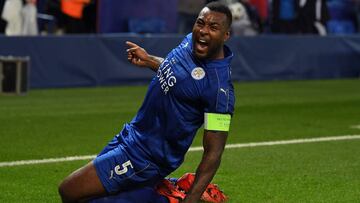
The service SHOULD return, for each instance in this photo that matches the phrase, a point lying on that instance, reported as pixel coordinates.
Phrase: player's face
(210, 32)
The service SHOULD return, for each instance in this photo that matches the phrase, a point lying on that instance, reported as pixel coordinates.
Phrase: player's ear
(227, 35)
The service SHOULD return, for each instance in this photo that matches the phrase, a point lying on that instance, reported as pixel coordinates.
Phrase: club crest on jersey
(198, 73)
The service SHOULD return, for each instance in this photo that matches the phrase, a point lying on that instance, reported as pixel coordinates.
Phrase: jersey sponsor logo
(166, 76)
(198, 73)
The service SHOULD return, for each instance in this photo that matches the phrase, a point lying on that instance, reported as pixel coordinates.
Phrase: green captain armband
(217, 122)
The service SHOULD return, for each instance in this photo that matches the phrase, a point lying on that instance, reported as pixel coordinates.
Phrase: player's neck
(220, 54)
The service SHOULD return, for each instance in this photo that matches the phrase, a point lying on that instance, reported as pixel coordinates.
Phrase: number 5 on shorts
(124, 169)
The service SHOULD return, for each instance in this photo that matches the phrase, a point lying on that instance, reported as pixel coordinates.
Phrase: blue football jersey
(183, 89)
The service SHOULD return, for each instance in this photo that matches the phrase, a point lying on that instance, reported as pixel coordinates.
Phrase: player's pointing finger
(131, 44)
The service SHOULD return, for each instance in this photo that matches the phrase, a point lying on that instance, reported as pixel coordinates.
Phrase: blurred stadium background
(68, 88)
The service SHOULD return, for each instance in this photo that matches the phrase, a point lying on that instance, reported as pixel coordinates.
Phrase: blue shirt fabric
(174, 106)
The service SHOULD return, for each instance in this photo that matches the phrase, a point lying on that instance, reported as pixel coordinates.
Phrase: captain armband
(217, 122)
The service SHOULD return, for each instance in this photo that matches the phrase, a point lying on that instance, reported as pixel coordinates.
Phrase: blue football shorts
(119, 171)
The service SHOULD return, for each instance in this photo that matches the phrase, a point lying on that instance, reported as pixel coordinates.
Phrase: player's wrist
(154, 62)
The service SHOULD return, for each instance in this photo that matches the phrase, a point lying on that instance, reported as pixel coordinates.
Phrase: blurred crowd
(33, 17)
(253, 17)
(250, 17)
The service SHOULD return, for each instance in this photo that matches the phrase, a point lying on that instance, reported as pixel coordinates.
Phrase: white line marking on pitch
(43, 161)
(355, 126)
(192, 149)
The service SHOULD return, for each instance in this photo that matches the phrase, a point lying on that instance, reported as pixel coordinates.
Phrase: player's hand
(137, 55)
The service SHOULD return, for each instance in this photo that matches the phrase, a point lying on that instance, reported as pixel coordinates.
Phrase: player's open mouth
(201, 45)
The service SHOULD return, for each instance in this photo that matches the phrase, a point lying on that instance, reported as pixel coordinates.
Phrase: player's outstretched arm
(214, 144)
(139, 57)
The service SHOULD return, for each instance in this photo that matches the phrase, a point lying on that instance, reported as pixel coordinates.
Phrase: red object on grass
(177, 191)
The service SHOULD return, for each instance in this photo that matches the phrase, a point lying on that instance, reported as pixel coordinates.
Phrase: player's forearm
(204, 174)
(154, 62)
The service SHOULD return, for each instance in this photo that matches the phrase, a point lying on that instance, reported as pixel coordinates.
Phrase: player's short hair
(221, 8)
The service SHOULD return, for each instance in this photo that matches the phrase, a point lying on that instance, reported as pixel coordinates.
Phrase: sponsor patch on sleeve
(217, 122)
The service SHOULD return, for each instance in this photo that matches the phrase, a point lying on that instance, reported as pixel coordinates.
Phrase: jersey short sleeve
(219, 107)
(218, 96)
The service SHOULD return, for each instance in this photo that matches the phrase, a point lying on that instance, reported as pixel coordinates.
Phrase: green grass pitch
(80, 121)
